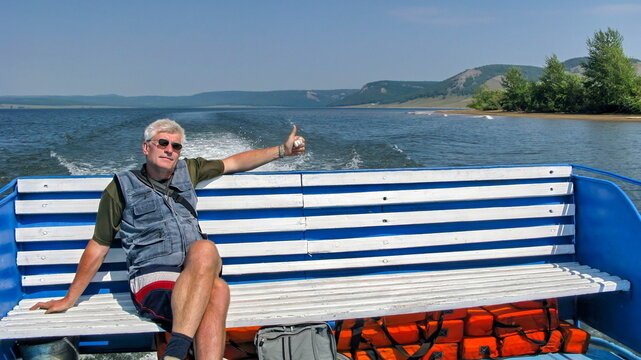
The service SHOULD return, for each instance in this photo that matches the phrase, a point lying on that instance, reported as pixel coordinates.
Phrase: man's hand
(294, 145)
(54, 306)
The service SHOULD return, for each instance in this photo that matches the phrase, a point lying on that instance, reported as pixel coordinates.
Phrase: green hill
(462, 84)
(387, 92)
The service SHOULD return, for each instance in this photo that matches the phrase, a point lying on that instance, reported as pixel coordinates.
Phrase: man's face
(162, 158)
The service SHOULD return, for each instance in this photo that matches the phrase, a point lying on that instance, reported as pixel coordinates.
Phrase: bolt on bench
(323, 246)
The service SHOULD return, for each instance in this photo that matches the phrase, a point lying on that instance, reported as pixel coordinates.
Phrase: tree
(518, 91)
(557, 90)
(611, 81)
(485, 99)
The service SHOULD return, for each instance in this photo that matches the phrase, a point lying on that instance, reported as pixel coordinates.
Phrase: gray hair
(164, 125)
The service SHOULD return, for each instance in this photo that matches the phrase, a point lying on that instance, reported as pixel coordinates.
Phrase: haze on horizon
(73, 47)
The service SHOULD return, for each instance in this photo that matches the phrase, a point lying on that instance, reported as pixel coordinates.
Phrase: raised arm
(248, 160)
(92, 257)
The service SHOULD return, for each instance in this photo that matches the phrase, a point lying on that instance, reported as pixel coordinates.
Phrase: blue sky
(159, 47)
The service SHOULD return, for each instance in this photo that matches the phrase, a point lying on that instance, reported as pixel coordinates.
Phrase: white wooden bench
(323, 246)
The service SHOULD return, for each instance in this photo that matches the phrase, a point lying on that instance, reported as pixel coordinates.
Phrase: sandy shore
(599, 117)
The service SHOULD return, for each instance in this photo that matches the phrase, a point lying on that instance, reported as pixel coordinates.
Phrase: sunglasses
(163, 143)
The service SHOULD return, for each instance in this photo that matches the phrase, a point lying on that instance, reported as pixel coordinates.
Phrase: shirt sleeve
(201, 169)
(109, 214)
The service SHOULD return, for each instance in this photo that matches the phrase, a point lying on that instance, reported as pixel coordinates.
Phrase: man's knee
(203, 253)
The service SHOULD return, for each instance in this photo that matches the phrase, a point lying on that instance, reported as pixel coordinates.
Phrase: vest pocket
(146, 210)
(148, 245)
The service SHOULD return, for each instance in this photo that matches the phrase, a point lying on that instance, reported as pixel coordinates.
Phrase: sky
(158, 47)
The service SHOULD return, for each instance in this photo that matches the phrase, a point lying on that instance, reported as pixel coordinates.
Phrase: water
(104, 141)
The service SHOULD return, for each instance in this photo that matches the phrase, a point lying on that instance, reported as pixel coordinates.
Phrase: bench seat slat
(437, 239)
(255, 225)
(66, 278)
(392, 288)
(353, 299)
(54, 233)
(437, 216)
(325, 303)
(90, 206)
(437, 195)
(425, 176)
(378, 261)
(98, 184)
(85, 232)
(445, 275)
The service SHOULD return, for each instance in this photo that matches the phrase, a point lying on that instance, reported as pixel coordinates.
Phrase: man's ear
(145, 147)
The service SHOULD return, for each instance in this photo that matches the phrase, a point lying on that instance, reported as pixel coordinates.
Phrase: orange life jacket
(511, 320)
(575, 340)
(475, 348)
(479, 322)
(531, 343)
(447, 351)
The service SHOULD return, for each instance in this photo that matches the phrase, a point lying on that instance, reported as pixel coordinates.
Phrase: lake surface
(104, 141)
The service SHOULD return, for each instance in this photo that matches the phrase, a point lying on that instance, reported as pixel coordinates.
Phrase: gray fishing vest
(156, 230)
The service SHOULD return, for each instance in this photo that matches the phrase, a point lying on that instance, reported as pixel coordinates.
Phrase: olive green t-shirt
(112, 202)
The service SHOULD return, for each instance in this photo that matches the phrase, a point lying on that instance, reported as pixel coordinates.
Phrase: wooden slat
(79, 206)
(117, 255)
(275, 300)
(437, 239)
(533, 270)
(56, 257)
(248, 181)
(98, 184)
(425, 176)
(396, 260)
(256, 225)
(286, 302)
(437, 216)
(433, 195)
(244, 202)
(66, 278)
(54, 233)
(64, 184)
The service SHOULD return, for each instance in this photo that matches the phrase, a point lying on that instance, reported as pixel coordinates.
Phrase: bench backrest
(317, 224)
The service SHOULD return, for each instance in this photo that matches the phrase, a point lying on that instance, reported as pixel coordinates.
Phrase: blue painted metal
(10, 291)
(608, 238)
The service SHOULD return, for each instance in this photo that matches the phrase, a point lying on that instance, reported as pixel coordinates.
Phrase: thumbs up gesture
(294, 145)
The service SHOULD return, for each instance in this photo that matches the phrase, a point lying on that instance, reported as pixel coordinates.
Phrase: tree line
(609, 84)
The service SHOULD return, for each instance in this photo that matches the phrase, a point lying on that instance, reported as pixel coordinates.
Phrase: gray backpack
(313, 341)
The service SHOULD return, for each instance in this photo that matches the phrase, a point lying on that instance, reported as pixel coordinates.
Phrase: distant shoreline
(565, 116)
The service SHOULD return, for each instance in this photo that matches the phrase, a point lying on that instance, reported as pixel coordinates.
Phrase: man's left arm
(248, 160)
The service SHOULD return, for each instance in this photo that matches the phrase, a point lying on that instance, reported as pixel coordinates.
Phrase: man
(174, 271)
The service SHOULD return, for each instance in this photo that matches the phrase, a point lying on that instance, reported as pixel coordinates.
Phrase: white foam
(222, 145)
(355, 162)
(84, 168)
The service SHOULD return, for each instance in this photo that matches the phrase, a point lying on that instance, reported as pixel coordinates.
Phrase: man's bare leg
(210, 337)
(193, 288)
